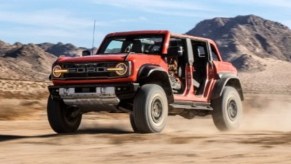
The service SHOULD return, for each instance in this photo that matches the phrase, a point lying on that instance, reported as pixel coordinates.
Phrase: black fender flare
(146, 70)
(153, 73)
(227, 80)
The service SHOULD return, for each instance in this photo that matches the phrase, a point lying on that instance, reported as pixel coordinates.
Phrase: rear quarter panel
(224, 68)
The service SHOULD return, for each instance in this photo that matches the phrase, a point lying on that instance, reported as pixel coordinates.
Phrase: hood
(93, 58)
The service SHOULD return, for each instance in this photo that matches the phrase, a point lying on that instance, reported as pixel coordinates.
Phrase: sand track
(265, 137)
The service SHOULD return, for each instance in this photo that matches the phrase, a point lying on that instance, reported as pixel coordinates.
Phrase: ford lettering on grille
(87, 70)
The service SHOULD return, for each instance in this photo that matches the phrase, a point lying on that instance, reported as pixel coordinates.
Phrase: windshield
(148, 44)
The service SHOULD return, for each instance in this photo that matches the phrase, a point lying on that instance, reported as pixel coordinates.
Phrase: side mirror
(175, 51)
(86, 53)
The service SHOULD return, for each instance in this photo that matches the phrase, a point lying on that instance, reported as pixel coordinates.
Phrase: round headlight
(57, 71)
(121, 69)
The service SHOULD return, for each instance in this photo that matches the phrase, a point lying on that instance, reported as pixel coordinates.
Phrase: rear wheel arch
(228, 80)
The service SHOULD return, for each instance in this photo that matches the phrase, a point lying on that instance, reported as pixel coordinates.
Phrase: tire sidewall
(230, 94)
(143, 120)
(57, 117)
(133, 125)
(156, 93)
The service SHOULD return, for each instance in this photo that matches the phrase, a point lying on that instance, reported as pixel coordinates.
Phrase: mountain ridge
(247, 36)
(246, 41)
(32, 61)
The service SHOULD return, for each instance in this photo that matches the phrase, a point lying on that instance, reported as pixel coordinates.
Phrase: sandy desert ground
(264, 137)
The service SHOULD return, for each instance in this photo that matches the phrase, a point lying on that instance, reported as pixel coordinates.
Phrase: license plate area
(85, 89)
(87, 92)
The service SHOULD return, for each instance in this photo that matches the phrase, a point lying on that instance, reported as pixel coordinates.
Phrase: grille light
(121, 69)
(58, 71)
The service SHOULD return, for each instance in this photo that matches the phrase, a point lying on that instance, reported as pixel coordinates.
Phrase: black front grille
(88, 70)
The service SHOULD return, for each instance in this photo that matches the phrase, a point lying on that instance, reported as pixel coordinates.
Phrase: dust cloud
(264, 137)
(267, 113)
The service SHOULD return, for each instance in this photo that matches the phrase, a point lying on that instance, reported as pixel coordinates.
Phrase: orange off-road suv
(150, 75)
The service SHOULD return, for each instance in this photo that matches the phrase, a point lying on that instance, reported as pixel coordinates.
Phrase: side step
(194, 106)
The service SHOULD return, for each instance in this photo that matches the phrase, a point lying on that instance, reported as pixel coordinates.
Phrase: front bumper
(93, 96)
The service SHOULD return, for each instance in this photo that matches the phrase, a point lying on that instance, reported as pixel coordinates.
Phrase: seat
(126, 46)
(137, 47)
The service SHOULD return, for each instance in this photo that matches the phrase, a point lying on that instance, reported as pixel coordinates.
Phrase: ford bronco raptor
(150, 75)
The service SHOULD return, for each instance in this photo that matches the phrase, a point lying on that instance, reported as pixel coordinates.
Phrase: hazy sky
(71, 21)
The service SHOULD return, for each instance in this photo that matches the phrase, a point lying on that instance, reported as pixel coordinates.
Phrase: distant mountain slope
(61, 49)
(247, 40)
(251, 43)
(32, 61)
(24, 62)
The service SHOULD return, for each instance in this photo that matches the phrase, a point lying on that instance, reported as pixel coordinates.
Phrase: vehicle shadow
(9, 137)
(103, 131)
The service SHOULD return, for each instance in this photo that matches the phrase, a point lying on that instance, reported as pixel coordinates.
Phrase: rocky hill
(61, 49)
(31, 61)
(247, 40)
(257, 47)
(24, 62)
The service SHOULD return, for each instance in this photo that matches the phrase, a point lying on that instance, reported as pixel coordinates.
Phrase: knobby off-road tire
(132, 123)
(227, 110)
(62, 119)
(150, 109)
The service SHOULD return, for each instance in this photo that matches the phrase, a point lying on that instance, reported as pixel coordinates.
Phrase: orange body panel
(138, 60)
